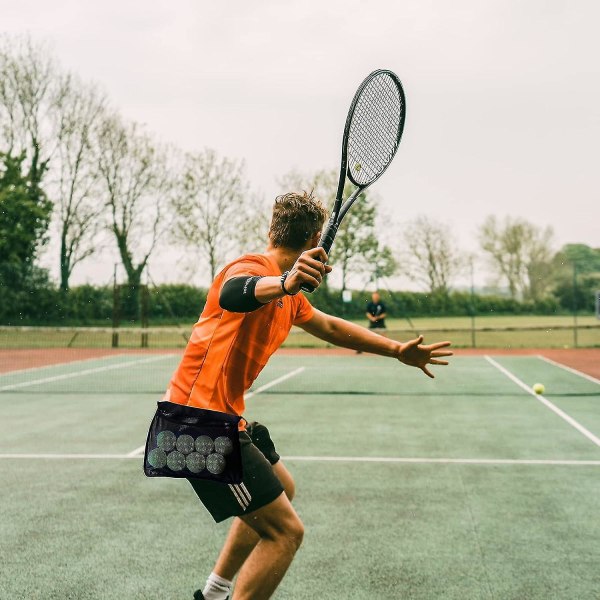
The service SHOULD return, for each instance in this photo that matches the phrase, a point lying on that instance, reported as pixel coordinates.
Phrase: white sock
(217, 588)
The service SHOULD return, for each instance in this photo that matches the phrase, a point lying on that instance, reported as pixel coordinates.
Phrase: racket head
(373, 127)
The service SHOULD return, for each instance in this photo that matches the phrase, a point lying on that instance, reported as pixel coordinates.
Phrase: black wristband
(282, 279)
(238, 294)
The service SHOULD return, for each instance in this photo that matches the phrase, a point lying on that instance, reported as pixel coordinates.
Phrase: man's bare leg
(241, 538)
(281, 532)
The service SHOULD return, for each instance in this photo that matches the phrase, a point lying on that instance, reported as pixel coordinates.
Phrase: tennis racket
(372, 135)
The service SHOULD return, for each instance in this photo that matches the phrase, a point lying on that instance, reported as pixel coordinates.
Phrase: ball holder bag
(193, 443)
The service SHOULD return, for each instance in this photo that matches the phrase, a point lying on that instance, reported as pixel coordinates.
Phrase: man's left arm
(349, 335)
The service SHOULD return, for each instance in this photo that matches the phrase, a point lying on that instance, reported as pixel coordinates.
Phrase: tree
(585, 257)
(30, 90)
(577, 293)
(23, 222)
(432, 256)
(380, 263)
(75, 175)
(520, 253)
(539, 265)
(356, 242)
(576, 276)
(252, 233)
(136, 185)
(211, 206)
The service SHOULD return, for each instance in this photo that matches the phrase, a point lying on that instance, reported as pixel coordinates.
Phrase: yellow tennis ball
(539, 388)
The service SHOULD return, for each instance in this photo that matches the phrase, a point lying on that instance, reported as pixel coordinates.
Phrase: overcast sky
(503, 97)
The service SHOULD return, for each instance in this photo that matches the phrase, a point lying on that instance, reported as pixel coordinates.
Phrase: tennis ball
(539, 388)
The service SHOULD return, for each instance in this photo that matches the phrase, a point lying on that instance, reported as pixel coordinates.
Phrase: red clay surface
(30, 358)
(586, 360)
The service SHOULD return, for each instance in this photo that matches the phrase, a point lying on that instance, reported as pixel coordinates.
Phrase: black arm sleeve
(237, 294)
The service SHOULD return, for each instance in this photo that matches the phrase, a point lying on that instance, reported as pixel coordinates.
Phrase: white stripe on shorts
(242, 487)
(242, 501)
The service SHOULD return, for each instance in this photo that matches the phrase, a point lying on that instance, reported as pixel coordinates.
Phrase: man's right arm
(349, 335)
(245, 293)
(309, 268)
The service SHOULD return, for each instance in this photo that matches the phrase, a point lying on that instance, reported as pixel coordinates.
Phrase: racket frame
(339, 210)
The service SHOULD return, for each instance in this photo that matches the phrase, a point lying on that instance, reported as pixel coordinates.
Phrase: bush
(174, 301)
(585, 296)
(43, 303)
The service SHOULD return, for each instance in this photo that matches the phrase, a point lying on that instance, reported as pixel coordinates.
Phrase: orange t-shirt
(228, 350)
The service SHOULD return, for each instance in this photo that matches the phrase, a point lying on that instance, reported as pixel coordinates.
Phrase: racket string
(375, 129)
(374, 132)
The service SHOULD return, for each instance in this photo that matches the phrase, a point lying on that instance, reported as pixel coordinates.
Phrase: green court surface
(463, 487)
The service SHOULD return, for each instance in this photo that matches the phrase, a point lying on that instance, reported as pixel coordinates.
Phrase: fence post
(116, 315)
(575, 340)
(145, 312)
(473, 340)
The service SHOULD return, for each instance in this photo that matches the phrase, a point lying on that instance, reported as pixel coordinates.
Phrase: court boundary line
(138, 451)
(270, 384)
(569, 369)
(60, 364)
(355, 459)
(121, 365)
(561, 413)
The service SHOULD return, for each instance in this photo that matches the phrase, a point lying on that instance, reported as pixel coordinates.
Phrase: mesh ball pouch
(193, 443)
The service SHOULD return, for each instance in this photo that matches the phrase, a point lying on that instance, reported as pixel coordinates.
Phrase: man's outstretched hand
(416, 355)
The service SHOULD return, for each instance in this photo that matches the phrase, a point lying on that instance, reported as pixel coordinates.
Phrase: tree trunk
(65, 264)
(131, 300)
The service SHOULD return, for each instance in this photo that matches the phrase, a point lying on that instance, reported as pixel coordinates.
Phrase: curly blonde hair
(296, 219)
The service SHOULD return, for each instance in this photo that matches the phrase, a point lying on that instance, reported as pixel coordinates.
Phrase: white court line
(258, 390)
(356, 459)
(54, 365)
(137, 452)
(14, 386)
(444, 461)
(563, 415)
(262, 388)
(66, 456)
(569, 369)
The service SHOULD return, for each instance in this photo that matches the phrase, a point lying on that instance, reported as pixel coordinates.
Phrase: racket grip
(325, 242)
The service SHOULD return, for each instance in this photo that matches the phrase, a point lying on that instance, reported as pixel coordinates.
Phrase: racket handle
(325, 242)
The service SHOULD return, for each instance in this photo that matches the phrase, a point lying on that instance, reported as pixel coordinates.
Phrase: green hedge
(91, 305)
(421, 304)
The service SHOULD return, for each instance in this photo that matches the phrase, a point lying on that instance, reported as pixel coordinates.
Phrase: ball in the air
(539, 388)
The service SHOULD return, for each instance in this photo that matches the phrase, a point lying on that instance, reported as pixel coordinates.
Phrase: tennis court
(465, 487)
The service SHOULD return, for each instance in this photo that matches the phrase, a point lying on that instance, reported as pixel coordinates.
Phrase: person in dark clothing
(376, 312)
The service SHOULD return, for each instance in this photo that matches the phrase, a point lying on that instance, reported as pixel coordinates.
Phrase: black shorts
(259, 487)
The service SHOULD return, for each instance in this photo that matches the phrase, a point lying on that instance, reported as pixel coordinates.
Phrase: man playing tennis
(250, 309)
